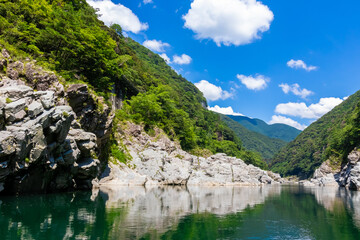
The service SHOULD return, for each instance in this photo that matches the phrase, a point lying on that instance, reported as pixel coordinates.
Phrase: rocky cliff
(43, 147)
(155, 160)
(347, 176)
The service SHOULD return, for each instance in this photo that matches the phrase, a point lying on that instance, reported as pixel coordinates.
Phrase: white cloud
(295, 89)
(212, 92)
(183, 59)
(287, 121)
(228, 22)
(116, 13)
(155, 45)
(314, 111)
(165, 57)
(300, 64)
(258, 82)
(147, 1)
(224, 110)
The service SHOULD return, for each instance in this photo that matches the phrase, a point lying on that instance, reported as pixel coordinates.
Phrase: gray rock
(43, 119)
(88, 168)
(162, 162)
(36, 139)
(34, 109)
(354, 157)
(5, 53)
(48, 100)
(13, 108)
(15, 69)
(354, 177)
(7, 143)
(19, 116)
(16, 92)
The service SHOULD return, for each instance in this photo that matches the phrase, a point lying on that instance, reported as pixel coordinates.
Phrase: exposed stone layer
(42, 148)
(160, 161)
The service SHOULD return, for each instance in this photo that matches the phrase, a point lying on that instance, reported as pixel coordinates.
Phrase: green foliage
(64, 33)
(8, 100)
(332, 136)
(117, 29)
(279, 131)
(254, 141)
(118, 154)
(345, 139)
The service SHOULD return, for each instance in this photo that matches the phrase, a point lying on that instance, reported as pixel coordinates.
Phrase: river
(268, 212)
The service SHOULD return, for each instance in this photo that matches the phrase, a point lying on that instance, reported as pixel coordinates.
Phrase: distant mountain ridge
(278, 130)
(255, 141)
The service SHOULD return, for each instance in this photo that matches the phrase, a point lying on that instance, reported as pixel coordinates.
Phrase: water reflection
(338, 199)
(161, 208)
(184, 213)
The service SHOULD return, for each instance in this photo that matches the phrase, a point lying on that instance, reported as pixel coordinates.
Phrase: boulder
(88, 168)
(15, 69)
(34, 109)
(354, 157)
(13, 108)
(48, 99)
(16, 92)
(7, 143)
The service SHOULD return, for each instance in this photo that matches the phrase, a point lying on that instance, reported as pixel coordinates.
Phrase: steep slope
(280, 131)
(66, 37)
(255, 141)
(332, 136)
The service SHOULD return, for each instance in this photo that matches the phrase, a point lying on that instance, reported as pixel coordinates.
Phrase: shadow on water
(184, 213)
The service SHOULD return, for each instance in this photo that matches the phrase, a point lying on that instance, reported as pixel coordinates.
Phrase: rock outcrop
(93, 114)
(42, 147)
(350, 173)
(159, 161)
(348, 176)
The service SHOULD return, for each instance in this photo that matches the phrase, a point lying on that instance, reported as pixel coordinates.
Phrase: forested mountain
(280, 131)
(255, 141)
(332, 137)
(66, 36)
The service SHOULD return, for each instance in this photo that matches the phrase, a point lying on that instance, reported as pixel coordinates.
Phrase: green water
(184, 213)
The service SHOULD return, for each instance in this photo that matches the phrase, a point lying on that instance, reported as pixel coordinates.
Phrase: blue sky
(245, 47)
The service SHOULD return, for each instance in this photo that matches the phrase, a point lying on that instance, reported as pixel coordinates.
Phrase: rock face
(40, 151)
(91, 118)
(350, 173)
(348, 176)
(159, 161)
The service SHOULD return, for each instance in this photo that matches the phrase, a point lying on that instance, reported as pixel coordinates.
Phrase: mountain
(332, 137)
(255, 141)
(66, 37)
(280, 131)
